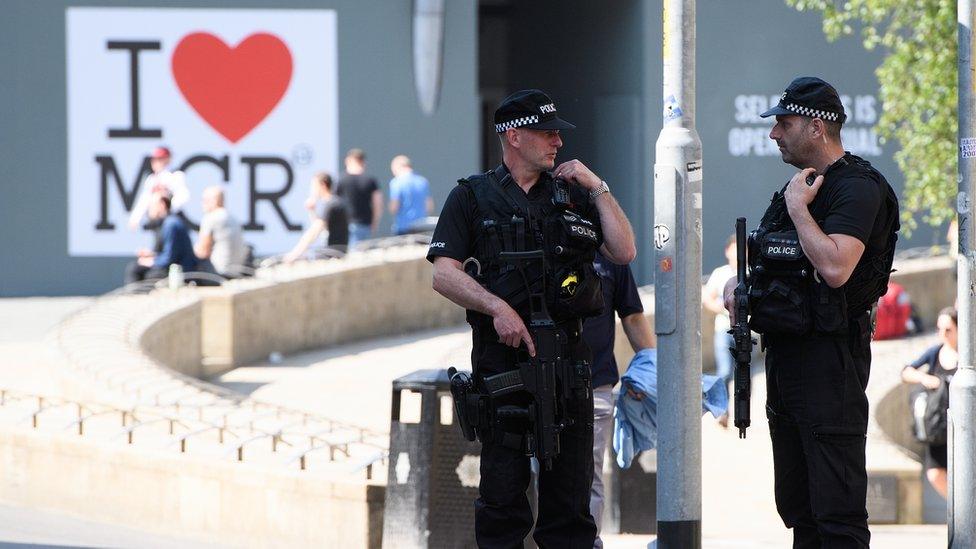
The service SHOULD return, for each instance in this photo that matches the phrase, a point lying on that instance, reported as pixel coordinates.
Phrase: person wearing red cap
(525, 206)
(819, 261)
(161, 180)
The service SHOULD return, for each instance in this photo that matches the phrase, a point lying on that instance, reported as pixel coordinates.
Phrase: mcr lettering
(253, 110)
(111, 180)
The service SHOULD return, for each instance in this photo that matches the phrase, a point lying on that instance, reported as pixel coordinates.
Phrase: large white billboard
(244, 99)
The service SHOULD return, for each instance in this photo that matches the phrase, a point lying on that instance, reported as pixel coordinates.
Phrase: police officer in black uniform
(528, 203)
(819, 261)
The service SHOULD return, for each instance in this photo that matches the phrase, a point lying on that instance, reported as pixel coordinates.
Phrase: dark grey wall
(758, 47)
(601, 61)
(378, 111)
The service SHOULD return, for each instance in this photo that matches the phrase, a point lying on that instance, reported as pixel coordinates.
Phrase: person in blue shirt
(173, 245)
(409, 195)
(619, 296)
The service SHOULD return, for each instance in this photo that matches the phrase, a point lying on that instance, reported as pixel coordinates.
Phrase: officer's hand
(729, 294)
(798, 193)
(636, 395)
(578, 173)
(511, 330)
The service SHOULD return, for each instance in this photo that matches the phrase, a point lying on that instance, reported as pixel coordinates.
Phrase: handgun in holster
(469, 404)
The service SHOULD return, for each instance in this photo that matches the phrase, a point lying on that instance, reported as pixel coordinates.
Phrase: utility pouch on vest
(779, 285)
(829, 308)
(511, 284)
(577, 288)
(580, 293)
(506, 280)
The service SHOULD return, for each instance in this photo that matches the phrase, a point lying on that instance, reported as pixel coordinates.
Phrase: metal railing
(154, 403)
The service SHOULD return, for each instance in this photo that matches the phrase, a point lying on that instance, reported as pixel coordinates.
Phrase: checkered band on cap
(812, 113)
(517, 123)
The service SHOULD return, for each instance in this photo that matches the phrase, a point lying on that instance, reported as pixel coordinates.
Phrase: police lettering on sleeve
(452, 235)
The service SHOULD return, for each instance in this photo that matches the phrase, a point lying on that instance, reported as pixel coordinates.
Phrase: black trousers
(503, 517)
(818, 415)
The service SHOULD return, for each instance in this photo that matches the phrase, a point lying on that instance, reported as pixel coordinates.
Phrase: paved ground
(26, 357)
(23, 528)
(353, 383)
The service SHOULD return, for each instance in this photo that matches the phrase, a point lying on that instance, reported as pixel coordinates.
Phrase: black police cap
(530, 109)
(811, 97)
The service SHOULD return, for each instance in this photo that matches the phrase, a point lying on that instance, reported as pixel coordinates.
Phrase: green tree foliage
(918, 90)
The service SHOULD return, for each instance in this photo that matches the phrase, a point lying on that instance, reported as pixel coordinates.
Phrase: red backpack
(894, 313)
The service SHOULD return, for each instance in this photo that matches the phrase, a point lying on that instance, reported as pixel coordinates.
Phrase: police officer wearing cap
(819, 261)
(527, 203)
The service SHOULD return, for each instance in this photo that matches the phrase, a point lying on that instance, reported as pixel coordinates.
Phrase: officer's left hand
(577, 172)
(728, 294)
(798, 194)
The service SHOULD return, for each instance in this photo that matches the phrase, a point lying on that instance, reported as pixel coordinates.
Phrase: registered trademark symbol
(301, 155)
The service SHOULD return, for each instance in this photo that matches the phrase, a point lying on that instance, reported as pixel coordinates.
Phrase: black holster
(470, 407)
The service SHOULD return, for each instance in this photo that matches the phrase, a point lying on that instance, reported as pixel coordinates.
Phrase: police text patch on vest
(580, 227)
(782, 246)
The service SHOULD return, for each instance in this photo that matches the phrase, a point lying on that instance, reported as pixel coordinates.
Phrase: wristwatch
(603, 188)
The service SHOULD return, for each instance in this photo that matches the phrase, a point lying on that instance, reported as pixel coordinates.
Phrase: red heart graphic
(233, 89)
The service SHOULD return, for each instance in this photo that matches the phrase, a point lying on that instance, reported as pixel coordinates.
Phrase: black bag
(930, 414)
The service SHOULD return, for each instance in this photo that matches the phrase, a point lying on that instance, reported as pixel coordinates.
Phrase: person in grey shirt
(221, 240)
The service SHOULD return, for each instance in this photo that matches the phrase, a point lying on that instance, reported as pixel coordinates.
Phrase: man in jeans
(362, 195)
(410, 199)
(173, 246)
(620, 296)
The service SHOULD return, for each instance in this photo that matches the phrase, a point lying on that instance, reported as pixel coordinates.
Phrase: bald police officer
(528, 203)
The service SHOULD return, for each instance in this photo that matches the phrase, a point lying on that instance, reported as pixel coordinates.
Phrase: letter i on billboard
(244, 99)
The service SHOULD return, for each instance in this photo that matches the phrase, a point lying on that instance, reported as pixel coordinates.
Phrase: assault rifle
(742, 349)
(548, 377)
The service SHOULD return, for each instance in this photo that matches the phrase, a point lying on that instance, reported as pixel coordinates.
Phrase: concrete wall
(174, 339)
(221, 502)
(356, 298)
(312, 306)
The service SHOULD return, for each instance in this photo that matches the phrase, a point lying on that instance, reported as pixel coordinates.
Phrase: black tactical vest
(509, 222)
(787, 296)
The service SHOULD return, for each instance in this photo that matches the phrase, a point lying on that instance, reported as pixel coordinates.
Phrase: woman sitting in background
(939, 362)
